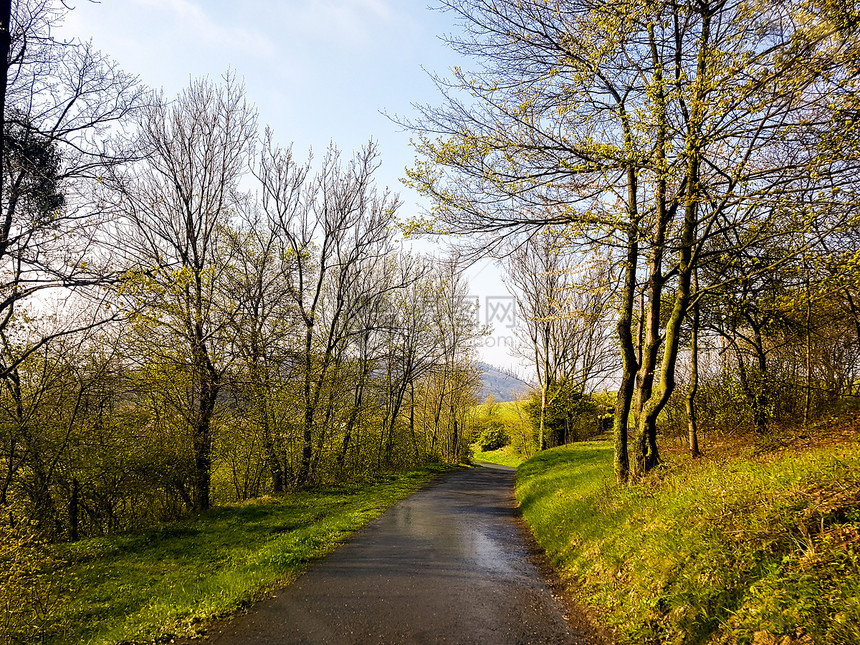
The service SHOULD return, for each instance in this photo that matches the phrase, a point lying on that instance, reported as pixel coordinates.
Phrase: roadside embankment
(745, 549)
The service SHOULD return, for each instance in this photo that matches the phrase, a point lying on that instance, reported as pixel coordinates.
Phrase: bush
(524, 438)
(28, 595)
(493, 438)
(570, 415)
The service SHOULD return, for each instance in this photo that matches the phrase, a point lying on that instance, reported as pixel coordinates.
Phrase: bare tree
(455, 375)
(565, 301)
(64, 107)
(410, 350)
(332, 228)
(177, 205)
(264, 329)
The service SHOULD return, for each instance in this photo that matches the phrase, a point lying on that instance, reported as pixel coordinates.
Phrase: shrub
(570, 414)
(494, 437)
(28, 595)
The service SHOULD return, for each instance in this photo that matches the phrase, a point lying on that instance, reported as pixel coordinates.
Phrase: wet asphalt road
(447, 565)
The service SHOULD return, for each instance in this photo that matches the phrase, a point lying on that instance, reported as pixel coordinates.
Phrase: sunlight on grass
(504, 456)
(166, 583)
(717, 552)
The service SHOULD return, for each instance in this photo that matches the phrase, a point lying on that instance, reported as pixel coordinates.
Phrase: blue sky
(318, 71)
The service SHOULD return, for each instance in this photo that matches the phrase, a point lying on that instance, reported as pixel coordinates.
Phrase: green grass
(504, 456)
(747, 550)
(167, 583)
(505, 411)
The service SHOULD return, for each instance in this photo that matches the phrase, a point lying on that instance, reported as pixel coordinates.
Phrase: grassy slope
(152, 586)
(506, 411)
(504, 456)
(762, 550)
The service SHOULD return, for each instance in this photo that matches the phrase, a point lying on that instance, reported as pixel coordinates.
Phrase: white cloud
(350, 23)
(197, 25)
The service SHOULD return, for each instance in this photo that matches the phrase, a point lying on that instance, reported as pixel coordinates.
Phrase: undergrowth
(761, 549)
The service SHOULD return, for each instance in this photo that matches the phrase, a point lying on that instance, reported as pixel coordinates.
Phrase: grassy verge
(504, 456)
(761, 550)
(166, 583)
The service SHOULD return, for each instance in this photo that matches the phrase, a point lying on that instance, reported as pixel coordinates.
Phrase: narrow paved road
(447, 565)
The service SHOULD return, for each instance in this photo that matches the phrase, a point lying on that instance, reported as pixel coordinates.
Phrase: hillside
(503, 385)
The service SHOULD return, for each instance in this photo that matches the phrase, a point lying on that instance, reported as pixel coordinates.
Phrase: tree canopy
(678, 134)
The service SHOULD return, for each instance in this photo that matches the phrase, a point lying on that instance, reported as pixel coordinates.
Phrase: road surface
(447, 565)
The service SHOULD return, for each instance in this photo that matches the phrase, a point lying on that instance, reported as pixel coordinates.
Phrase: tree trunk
(645, 443)
(391, 421)
(807, 404)
(73, 510)
(10, 472)
(353, 415)
(412, 419)
(260, 384)
(308, 421)
(692, 420)
(276, 468)
(207, 382)
(542, 423)
(203, 446)
(647, 424)
(760, 395)
(544, 387)
(5, 217)
(628, 356)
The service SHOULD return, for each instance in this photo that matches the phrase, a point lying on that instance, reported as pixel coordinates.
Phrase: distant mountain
(503, 385)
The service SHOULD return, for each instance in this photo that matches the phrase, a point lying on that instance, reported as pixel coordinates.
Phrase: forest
(191, 315)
